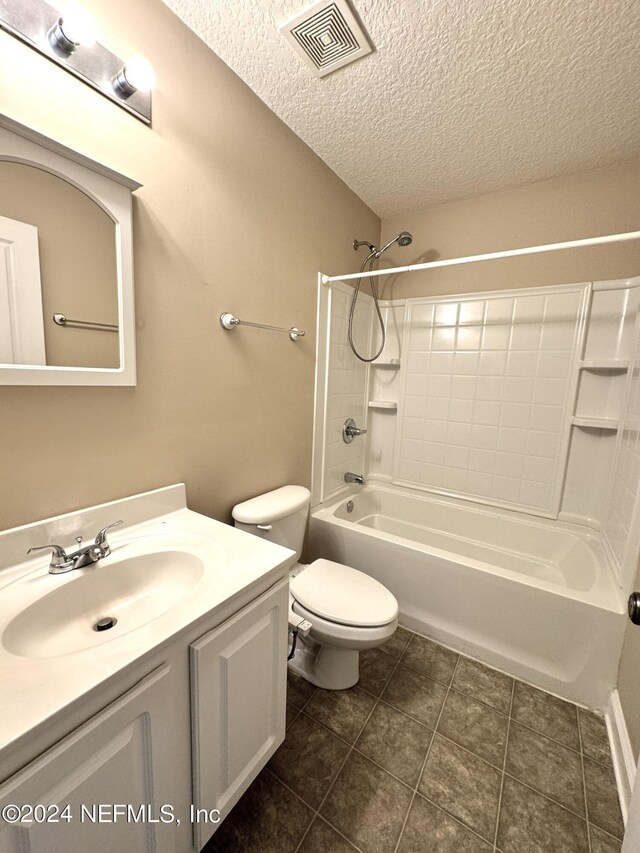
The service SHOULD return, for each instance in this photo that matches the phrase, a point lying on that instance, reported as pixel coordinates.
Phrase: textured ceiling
(461, 96)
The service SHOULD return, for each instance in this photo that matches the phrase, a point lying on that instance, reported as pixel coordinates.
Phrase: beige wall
(629, 680)
(587, 204)
(235, 214)
(77, 249)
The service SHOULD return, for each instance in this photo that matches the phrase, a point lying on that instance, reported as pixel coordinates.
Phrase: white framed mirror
(66, 265)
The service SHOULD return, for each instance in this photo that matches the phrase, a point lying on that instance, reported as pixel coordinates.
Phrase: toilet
(348, 611)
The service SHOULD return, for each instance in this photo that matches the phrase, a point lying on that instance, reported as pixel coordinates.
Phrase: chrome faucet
(62, 562)
(354, 478)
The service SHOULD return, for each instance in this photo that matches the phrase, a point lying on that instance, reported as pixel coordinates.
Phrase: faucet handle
(350, 431)
(59, 559)
(101, 537)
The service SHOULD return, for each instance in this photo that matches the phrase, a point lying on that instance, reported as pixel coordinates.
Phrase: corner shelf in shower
(383, 404)
(608, 365)
(386, 362)
(596, 423)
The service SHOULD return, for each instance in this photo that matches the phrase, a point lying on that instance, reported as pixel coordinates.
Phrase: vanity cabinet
(238, 699)
(191, 734)
(124, 755)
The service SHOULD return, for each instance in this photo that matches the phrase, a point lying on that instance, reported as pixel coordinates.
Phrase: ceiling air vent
(327, 36)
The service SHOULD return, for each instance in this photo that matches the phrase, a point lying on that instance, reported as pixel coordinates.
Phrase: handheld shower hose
(403, 239)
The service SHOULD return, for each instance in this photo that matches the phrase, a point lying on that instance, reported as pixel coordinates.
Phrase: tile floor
(430, 753)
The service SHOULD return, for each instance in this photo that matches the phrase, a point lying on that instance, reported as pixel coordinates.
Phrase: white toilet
(348, 610)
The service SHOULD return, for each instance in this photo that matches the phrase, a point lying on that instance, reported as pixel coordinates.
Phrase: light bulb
(137, 75)
(140, 74)
(77, 25)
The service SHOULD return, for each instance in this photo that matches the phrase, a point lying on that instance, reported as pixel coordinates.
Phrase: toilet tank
(279, 516)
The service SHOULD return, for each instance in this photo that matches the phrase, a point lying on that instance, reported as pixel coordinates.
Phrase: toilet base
(326, 666)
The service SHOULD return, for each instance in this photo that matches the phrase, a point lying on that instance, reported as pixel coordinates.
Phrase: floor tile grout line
(335, 829)
(311, 695)
(382, 767)
(309, 806)
(331, 731)
(477, 699)
(584, 781)
(547, 737)
(415, 790)
(381, 649)
(606, 832)
(548, 798)
(608, 765)
(296, 709)
(405, 714)
(426, 758)
(458, 820)
(504, 767)
(422, 671)
(468, 751)
(298, 797)
(340, 769)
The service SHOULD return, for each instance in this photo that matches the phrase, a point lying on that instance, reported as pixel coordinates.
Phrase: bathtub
(530, 596)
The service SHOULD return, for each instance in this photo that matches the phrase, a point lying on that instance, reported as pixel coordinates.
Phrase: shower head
(402, 239)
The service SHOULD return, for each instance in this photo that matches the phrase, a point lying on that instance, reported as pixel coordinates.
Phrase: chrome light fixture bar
(68, 41)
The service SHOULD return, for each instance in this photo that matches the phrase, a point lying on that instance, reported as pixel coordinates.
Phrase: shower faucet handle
(350, 431)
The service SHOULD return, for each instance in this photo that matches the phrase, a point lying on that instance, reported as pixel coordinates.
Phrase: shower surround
(501, 433)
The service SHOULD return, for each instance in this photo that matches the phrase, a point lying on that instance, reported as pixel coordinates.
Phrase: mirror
(66, 279)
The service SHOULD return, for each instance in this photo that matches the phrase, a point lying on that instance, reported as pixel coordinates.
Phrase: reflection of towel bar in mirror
(228, 322)
(61, 320)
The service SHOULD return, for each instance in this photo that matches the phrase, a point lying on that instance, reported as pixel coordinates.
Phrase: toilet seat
(343, 595)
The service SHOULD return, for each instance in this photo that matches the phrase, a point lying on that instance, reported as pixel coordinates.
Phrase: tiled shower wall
(485, 402)
(626, 475)
(625, 483)
(346, 387)
(485, 391)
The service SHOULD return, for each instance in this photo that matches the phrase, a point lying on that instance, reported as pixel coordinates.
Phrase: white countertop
(34, 688)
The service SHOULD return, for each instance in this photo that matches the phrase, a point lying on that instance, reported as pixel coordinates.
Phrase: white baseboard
(624, 764)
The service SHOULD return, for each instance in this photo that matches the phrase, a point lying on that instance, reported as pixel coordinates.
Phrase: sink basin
(133, 590)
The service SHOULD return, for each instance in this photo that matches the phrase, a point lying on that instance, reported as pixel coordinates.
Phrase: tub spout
(354, 478)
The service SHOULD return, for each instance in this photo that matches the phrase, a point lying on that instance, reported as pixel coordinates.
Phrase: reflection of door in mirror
(21, 319)
(73, 241)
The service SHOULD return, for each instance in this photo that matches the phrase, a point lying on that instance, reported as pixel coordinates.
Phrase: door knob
(634, 608)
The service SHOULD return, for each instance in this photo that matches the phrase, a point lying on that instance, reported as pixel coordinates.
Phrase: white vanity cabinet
(123, 755)
(194, 731)
(238, 699)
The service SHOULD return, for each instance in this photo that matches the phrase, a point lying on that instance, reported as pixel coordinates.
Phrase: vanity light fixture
(68, 38)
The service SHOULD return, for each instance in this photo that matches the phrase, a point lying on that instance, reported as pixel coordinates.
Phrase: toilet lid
(344, 595)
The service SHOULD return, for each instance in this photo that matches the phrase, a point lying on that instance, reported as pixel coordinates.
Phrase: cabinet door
(238, 684)
(123, 755)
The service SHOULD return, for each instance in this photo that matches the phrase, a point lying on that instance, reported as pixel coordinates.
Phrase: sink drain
(105, 623)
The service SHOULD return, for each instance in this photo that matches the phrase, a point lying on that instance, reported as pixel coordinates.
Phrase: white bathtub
(530, 596)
